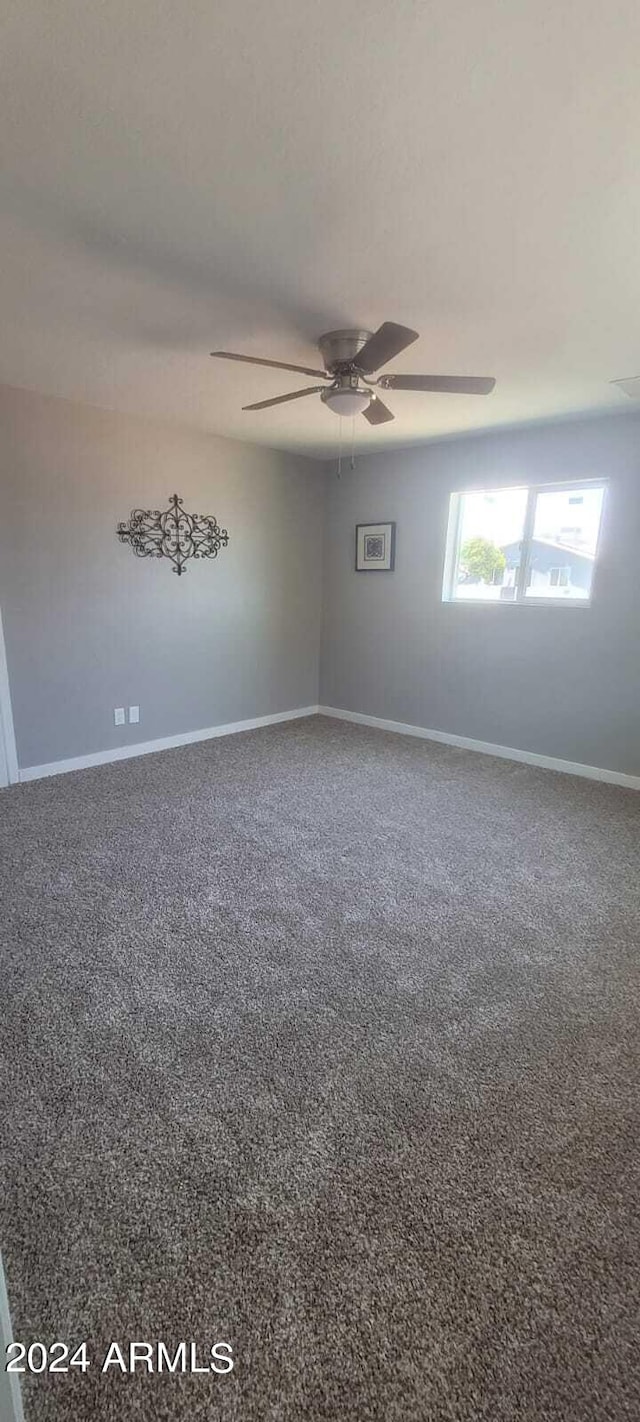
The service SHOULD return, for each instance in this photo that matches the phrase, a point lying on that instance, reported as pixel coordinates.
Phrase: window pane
(488, 554)
(564, 542)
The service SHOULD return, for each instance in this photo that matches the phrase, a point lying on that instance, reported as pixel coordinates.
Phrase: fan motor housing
(340, 348)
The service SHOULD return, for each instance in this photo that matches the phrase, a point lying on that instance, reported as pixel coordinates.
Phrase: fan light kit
(350, 358)
(346, 399)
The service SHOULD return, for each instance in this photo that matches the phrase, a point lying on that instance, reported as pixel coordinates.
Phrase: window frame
(520, 598)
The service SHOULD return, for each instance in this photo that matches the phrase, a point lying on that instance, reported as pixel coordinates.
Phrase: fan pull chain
(339, 471)
(353, 442)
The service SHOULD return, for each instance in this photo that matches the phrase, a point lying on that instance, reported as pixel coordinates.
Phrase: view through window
(523, 544)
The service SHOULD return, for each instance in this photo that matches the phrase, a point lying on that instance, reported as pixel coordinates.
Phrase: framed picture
(375, 547)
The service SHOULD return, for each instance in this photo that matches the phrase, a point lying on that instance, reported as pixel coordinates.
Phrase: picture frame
(375, 547)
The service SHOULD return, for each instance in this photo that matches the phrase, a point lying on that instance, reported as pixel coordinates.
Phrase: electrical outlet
(134, 714)
(118, 715)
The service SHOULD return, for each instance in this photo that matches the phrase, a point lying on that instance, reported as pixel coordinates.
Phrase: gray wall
(557, 680)
(88, 626)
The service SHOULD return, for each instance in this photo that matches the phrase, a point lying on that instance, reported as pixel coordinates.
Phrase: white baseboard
(184, 738)
(547, 762)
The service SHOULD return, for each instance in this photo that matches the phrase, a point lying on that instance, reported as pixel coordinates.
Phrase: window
(559, 577)
(536, 544)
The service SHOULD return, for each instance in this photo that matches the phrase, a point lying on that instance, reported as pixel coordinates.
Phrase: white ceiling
(178, 178)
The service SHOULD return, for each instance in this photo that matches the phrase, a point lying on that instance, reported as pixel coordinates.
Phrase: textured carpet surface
(324, 1042)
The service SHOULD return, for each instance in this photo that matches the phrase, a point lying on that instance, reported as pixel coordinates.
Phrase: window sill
(583, 603)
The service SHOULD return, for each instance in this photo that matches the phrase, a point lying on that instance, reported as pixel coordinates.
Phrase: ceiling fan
(350, 357)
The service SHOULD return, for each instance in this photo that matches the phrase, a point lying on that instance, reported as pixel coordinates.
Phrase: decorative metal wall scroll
(173, 534)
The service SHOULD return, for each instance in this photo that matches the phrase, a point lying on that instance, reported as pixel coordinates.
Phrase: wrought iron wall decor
(173, 534)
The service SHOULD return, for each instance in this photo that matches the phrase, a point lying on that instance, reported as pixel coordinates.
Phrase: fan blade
(446, 384)
(377, 413)
(280, 399)
(277, 364)
(386, 343)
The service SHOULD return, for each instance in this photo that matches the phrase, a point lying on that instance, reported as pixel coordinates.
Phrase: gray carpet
(325, 1042)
